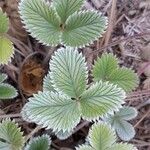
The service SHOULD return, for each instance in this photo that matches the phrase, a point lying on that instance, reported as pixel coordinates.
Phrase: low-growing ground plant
(6, 46)
(68, 97)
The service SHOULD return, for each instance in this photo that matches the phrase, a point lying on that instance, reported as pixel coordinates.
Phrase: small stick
(10, 116)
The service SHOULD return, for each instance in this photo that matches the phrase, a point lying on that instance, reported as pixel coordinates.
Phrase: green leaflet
(6, 50)
(118, 121)
(39, 143)
(7, 91)
(68, 72)
(65, 8)
(41, 20)
(100, 99)
(11, 137)
(102, 137)
(53, 110)
(3, 22)
(106, 69)
(61, 22)
(82, 28)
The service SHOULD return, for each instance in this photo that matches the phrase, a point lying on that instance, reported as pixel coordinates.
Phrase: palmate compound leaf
(102, 137)
(3, 77)
(100, 99)
(69, 72)
(83, 28)
(107, 69)
(118, 121)
(72, 28)
(65, 8)
(4, 22)
(41, 21)
(6, 50)
(39, 143)
(52, 110)
(11, 138)
(7, 91)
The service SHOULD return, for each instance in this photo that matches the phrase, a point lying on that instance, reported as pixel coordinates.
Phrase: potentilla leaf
(69, 72)
(101, 136)
(6, 50)
(83, 28)
(100, 99)
(41, 21)
(127, 113)
(104, 66)
(84, 147)
(124, 129)
(4, 23)
(107, 69)
(11, 138)
(124, 78)
(39, 143)
(65, 8)
(7, 91)
(52, 110)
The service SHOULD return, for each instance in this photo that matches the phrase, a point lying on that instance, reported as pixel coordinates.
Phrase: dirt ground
(127, 36)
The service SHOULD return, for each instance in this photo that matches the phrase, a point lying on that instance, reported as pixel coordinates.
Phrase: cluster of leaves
(11, 138)
(119, 122)
(67, 97)
(102, 137)
(62, 21)
(6, 90)
(6, 47)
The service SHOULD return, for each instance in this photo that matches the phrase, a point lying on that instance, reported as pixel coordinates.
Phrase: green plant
(11, 138)
(68, 97)
(62, 21)
(6, 90)
(119, 122)
(6, 47)
(102, 137)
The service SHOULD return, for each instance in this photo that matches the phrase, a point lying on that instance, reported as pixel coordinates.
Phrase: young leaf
(11, 137)
(41, 20)
(102, 137)
(39, 143)
(68, 72)
(7, 91)
(47, 83)
(100, 99)
(126, 113)
(52, 110)
(107, 69)
(4, 22)
(3, 77)
(124, 130)
(65, 8)
(6, 50)
(123, 146)
(83, 28)
(104, 66)
(118, 121)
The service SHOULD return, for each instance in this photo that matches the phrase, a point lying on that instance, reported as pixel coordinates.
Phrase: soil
(127, 36)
